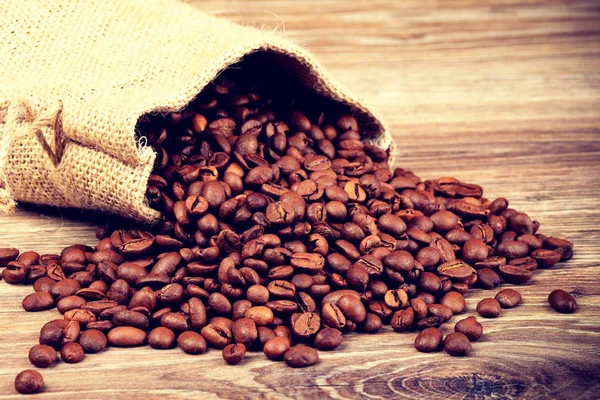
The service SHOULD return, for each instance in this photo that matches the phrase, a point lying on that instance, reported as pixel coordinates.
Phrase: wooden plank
(505, 94)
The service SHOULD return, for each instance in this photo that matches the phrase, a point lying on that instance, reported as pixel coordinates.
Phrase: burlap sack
(76, 75)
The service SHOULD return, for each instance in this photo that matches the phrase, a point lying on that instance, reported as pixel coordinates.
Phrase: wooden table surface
(500, 93)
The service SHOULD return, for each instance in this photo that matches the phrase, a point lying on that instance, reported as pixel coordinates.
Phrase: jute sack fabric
(76, 76)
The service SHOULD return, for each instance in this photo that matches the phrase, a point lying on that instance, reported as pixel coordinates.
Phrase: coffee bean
(72, 353)
(454, 301)
(428, 340)
(7, 255)
(93, 340)
(440, 310)
(508, 298)
(328, 339)
(234, 353)
(245, 331)
(126, 336)
(191, 342)
(161, 338)
(301, 356)
(487, 278)
(458, 345)
(306, 325)
(562, 301)
(29, 381)
(38, 301)
(403, 320)
(514, 274)
(42, 356)
(276, 347)
(488, 308)
(217, 335)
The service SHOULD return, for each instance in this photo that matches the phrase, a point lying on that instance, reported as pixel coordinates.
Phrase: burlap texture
(75, 77)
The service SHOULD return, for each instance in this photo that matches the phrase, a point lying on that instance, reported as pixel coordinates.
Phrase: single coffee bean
(428, 340)
(301, 356)
(38, 301)
(469, 327)
(487, 278)
(306, 325)
(458, 345)
(454, 301)
(403, 320)
(72, 353)
(562, 301)
(328, 339)
(514, 274)
(93, 340)
(440, 310)
(42, 356)
(276, 347)
(29, 381)
(7, 255)
(126, 336)
(191, 342)
(161, 338)
(488, 308)
(508, 298)
(245, 331)
(217, 335)
(261, 315)
(234, 353)
(352, 308)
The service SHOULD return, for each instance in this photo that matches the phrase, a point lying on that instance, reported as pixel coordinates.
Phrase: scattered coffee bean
(300, 356)
(191, 342)
(457, 344)
(72, 353)
(469, 327)
(488, 308)
(42, 356)
(234, 353)
(562, 301)
(428, 340)
(508, 298)
(29, 381)
(92, 340)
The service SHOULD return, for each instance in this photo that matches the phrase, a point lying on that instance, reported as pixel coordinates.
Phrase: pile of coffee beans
(282, 232)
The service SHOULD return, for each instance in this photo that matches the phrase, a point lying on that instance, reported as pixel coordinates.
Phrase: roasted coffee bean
(276, 347)
(7, 255)
(562, 301)
(440, 310)
(29, 381)
(508, 298)
(469, 327)
(301, 356)
(487, 278)
(72, 353)
(191, 342)
(245, 331)
(306, 325)
(126, 336)
(234, 353)
(403, 320)
(561, 246)
(217, 335)
(454, 301)
(546, 258)
(514, 274)
(38, 301)
(93, 340)
(428, 340)
(161, 338)
(488, 308)
(352, 308)
(328, 339)
(42, 356)
(458, 345)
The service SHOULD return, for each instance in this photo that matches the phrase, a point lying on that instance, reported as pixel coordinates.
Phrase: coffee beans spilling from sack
(282, 232)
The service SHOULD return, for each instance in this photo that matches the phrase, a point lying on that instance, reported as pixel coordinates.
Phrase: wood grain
(505, 94)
